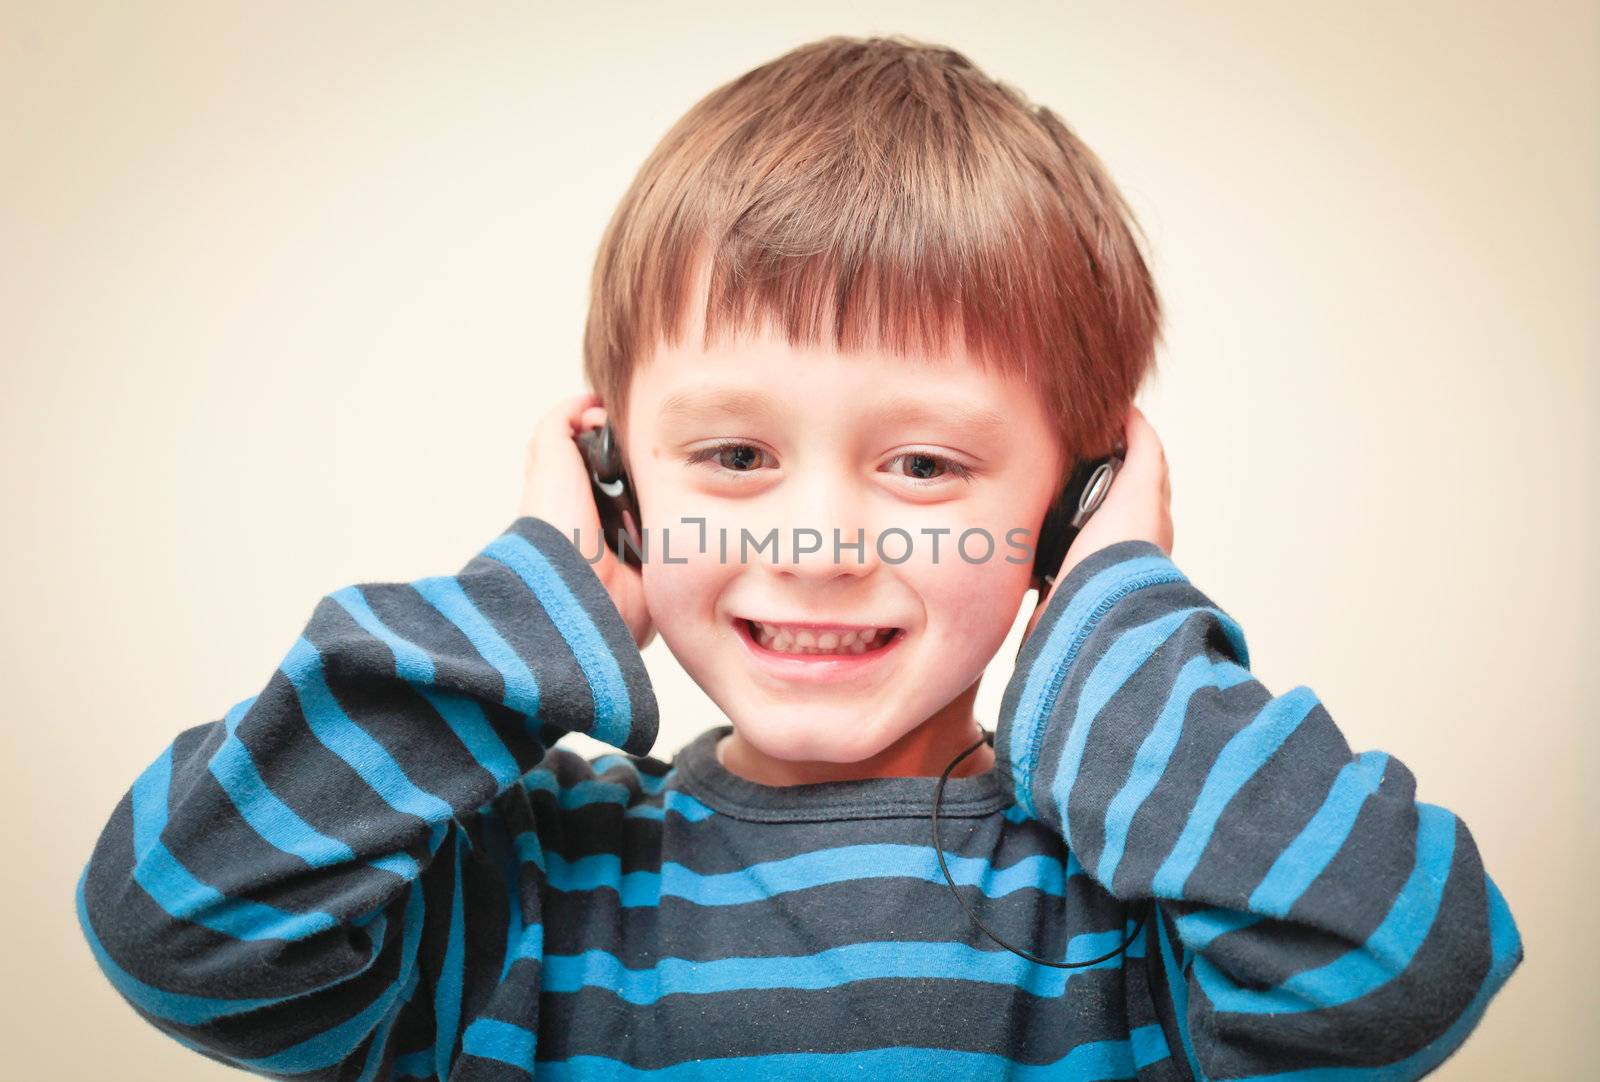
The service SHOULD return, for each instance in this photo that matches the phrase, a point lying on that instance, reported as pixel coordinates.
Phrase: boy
(862, 289)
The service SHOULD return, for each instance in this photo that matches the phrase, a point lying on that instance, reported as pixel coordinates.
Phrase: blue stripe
(1149, 1045)
(488, 1038)
(529, 944)
(1150, 762)
(447, 993)
(1245, 753)
(831, 968)
(1199, 928)
(528, 849)
(342, 736)
(1382, 958)
(1505, 945)
(1049, 668)
(415, 665)
(414, 1065)
(149, 794)
(401, 864)
(1120, 661)
(499, 842)
(176, 890)
(577, 794)
(520, 688)
(192, 1010)
(335, 1045)
(411, 662)
(1177, 989)
(613, 721)
(682, 804)
(277, 823)
(769, 879)
(649, 783)
(1305, 858)
(380, 1039)
(1092, 1061)
(595, 791)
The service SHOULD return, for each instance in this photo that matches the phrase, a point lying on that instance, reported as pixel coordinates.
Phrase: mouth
(817, 652)
(817, 640)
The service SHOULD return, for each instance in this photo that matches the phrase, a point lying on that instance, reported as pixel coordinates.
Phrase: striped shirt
(384, 866)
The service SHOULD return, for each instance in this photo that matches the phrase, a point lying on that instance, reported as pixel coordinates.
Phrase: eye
(730, 456)
(925, 467)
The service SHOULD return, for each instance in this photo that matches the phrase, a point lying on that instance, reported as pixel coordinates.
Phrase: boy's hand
(1138, 506)
(556, 489)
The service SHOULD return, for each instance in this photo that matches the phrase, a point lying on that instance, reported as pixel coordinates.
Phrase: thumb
(1033, 620)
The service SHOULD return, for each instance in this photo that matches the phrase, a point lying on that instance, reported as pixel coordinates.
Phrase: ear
(618, 420)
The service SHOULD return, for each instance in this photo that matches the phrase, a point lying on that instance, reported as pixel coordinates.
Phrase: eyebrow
(692, 405)
(978, 420)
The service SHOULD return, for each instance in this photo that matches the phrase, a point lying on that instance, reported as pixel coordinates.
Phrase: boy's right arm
(262, 893)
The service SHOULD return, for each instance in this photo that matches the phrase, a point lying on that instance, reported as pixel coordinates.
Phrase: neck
(923, 752)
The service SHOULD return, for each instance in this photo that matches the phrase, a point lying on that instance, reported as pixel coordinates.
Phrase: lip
(816, 668)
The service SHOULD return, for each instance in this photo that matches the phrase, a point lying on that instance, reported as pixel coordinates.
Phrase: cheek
(681, 583)
(970, 607)
(682, 596)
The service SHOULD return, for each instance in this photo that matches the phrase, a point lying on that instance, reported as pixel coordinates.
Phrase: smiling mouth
(830, 643)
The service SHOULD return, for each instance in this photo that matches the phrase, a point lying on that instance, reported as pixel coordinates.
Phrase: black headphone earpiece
(1080, 497)
(614, 496)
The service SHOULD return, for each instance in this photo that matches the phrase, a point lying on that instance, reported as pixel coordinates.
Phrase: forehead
(761, 377)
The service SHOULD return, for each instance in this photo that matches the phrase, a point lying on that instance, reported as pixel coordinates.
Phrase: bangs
(882, 196)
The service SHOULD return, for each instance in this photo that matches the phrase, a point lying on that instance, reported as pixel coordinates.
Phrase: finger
(562, 414)
(563, 422)
(1142, 438)
(556, 430)
(576, 407)
(1142, 460)
(1038, 610)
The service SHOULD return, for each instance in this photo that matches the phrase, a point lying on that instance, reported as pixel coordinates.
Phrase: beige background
(284, 287)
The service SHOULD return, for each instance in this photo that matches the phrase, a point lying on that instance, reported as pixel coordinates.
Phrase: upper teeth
(804, 641)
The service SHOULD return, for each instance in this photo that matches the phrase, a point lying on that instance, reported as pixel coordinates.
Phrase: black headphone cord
(938, 794)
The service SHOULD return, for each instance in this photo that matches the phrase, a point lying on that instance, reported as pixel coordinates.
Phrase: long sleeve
(281, 888)
(1304, 909)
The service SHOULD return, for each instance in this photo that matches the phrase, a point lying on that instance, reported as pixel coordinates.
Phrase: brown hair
(886, 193)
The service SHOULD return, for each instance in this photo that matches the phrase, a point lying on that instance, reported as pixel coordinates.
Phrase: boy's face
(846, 446)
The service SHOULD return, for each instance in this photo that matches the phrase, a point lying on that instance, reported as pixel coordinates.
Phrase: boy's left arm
(1308, 910)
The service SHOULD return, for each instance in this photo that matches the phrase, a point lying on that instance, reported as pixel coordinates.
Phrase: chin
(804, 740)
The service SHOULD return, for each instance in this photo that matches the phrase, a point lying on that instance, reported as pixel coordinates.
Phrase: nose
(811, 554)
(826, 536)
